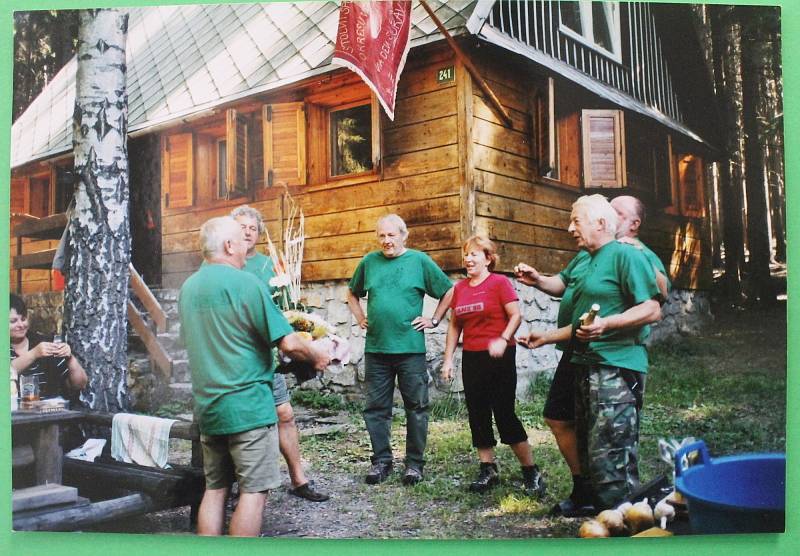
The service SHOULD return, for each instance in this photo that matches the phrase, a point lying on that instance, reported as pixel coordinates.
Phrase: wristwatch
(435, 322)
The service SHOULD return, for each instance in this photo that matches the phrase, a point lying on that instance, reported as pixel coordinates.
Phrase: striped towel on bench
(140, 439)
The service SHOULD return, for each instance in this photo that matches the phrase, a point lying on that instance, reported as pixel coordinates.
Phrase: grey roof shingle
(186, 59)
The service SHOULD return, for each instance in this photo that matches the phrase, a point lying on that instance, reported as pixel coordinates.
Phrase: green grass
(727, 387)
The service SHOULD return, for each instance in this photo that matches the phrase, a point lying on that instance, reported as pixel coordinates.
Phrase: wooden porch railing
(158, 354)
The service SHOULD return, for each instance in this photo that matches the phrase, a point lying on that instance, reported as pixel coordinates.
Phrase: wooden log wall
(528, 215)
(419, 179)
(30, 195)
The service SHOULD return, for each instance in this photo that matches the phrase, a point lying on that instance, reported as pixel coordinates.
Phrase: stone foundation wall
(685, 313)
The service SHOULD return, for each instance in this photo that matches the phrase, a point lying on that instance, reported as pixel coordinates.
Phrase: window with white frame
(596, 24)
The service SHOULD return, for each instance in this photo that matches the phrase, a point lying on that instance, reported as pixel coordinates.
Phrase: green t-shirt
(617, 277)
(261, 267)
(229, 325)
(657, 263)
(568, 276)
(395, 288)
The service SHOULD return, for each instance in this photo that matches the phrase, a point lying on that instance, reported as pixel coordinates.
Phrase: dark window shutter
(236, 139)
(19, 190)
(603, 148)
(690, 184)
(177, 170)
(284, 143)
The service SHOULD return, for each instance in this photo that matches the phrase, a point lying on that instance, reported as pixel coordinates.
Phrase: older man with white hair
(594, 401)
(396, 279)
(260, 266)
(229, 325)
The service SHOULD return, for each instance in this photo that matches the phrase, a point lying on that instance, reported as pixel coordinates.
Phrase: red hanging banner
(373, 40)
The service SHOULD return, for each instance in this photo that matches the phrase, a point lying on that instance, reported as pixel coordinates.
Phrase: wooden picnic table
(137, 489)
(41, 433)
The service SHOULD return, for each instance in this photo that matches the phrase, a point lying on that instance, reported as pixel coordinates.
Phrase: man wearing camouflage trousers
(610, 359)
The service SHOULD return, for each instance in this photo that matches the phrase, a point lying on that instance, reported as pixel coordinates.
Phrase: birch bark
(96, 296)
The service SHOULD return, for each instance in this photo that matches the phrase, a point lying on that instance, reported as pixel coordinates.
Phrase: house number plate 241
(445, 75)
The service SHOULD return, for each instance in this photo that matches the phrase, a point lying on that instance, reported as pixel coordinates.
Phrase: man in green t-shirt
(631, 213)
(395, 281)
(229, 325)
(609, 365)
(260, 266)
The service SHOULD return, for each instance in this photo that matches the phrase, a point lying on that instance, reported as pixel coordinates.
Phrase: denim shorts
(279, 389)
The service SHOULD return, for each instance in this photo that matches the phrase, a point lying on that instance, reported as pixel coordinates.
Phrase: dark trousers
(410, 371)
(490, 388)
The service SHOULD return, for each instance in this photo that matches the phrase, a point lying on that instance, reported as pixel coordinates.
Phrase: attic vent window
(594, 23)
(351, 140)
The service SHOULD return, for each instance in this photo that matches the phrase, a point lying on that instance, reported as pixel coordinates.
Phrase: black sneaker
(487, 478)
(412, 476)
(533, 482)
(378, 473)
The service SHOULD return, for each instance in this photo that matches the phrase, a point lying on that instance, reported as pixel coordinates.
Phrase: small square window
(351, 140)
(596, 24)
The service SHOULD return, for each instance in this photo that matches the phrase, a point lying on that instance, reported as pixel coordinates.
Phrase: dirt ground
(337, 448)
(354, 510)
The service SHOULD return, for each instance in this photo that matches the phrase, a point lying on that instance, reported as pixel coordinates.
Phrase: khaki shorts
(249, 457)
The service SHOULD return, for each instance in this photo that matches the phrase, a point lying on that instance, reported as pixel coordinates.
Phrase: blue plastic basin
(733, 494)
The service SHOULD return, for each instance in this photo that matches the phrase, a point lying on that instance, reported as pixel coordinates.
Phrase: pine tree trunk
(775, 157)
(727, 62)
(753, 82)
(703, 30)
(95, 304)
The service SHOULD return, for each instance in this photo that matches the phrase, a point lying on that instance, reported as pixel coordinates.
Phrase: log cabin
(240, 103)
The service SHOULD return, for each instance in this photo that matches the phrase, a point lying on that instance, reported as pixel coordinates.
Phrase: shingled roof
(187, 59)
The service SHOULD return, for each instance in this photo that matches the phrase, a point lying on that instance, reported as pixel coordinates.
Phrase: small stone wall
(685, 313)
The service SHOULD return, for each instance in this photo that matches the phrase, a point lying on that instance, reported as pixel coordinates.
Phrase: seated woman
(60, 373)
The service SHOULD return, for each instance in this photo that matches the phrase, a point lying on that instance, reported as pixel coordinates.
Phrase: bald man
(631, 212)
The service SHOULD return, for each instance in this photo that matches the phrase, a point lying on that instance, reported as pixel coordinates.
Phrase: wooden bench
(119, 489)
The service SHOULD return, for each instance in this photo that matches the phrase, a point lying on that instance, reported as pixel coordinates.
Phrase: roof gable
(183, 60)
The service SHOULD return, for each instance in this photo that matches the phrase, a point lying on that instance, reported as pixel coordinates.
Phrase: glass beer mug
(29, 388)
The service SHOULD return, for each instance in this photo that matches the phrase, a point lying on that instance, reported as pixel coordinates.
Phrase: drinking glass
(29, 388)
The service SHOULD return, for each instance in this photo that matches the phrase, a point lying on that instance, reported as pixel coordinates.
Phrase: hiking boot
(533, 482)
(580, 501)
(570, 508)
(487, 478)
(308, 492)
(378, 473)
(412, 476)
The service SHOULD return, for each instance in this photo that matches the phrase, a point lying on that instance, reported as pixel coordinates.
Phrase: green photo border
(104, 544)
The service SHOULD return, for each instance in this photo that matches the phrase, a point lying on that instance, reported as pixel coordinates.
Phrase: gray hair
(215, 232)
(249, 212)
(396, 220)
(597, 207)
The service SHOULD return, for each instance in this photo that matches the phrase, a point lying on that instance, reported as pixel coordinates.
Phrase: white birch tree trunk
(95, 304)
